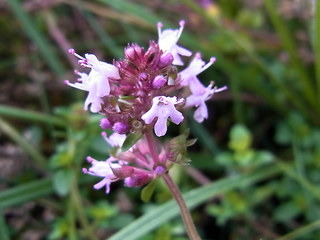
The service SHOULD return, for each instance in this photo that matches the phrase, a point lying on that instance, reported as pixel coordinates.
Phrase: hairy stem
(185, 214)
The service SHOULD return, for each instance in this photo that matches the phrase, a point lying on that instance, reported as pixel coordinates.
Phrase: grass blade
(133, 9)
(317, 45)
(30, 115)
(38, 158)
(4, 235)
(26, 192)
(169, 210)
(289, 45)
(201, 133)
(29, 27)
(301, 231)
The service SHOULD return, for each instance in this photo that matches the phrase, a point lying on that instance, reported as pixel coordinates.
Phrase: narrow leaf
(131, 139)
(148, 190)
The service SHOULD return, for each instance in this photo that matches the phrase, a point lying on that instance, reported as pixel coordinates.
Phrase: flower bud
(137, 180)
(129, 52)
(160, 170)
(165, 60)
(105, 123)
(158, 82)
(143, 76)
(120, 127)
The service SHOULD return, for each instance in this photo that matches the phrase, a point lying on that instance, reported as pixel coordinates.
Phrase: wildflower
(96, 82)
(189, 75)
(102, 169)
(168, 43)
(163, 108)
(198, 100)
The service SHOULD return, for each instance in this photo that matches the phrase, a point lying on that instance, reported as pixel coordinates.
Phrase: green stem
(76, 198)
(185, 214)
(72, 234)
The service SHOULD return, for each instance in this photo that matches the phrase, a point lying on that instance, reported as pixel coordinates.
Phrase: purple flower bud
(160, 170)
(137, 180)
(129, 52)
(143, 76)
(120, 127)
(158, 82)
(105, 123)
(165, 60)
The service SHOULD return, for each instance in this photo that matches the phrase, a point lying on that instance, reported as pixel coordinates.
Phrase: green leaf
(169, 210)
(240, 138)
(62, 180)
(131, 139)
(148, 190)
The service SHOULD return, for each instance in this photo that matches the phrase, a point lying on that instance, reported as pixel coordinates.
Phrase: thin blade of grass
(201, 133)
(302, 231)
(289, 45)
(29, 28)
(289, 170)
(103, 35)
(133, 9)
(4, 233)
(30, 115)
(169, 210)
(26, 192)
(317, 46)
(36, 156)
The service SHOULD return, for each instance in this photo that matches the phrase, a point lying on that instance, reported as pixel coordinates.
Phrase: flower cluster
(139, 93)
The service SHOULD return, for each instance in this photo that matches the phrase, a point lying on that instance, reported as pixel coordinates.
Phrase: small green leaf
(62, 181)
(131, 139)
(148, 190)
(240, 138)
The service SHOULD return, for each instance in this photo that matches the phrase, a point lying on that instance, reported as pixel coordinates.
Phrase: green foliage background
(255, 167)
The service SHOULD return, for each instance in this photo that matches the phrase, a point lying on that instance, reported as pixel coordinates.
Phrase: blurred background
(255, 167)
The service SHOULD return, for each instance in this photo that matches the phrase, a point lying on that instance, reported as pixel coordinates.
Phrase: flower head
(168, 43)
(189, 75)
(96, 82)
(163, 108)
(198, 100)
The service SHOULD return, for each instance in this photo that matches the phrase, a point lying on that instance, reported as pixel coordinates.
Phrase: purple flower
(168, 43)
(163, 108)
(96, 82)
(102, 169)
(189, 75)
(199, 100)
